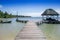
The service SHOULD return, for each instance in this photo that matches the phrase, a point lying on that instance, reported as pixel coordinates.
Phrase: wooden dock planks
(30, 32)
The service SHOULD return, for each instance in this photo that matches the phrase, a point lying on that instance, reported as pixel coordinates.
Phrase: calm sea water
(9, 31)
(52, 31)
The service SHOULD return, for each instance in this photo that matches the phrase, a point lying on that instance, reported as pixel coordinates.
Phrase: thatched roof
(50, 12)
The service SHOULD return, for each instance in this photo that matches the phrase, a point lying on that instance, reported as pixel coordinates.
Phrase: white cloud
(1, 6)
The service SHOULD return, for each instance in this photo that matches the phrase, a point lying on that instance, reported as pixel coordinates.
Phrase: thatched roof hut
(50, 16)
(50, 12)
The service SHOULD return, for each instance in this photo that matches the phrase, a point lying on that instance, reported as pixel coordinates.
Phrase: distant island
(7, 15)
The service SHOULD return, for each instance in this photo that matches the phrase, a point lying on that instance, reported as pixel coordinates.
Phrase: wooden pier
(30, 32)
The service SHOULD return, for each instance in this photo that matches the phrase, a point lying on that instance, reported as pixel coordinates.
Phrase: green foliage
(5, 15)
(1, 14)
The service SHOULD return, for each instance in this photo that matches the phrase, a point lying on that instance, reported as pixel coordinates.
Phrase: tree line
(7, 15)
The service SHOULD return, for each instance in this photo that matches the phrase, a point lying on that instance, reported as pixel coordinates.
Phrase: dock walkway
(30, 32)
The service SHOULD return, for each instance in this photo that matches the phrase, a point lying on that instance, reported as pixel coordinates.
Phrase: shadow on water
(52, 31)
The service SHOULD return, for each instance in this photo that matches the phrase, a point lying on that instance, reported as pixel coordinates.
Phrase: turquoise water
(52, 31)
(31, 18)
(9, 31)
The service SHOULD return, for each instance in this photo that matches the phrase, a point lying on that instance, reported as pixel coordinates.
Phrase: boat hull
(6, 22)
(51, 22)
(22, 21)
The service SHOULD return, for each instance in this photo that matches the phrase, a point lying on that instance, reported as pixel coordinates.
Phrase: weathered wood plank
(30, 32)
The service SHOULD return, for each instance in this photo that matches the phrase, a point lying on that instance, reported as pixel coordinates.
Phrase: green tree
(6, 15)
(1, 14)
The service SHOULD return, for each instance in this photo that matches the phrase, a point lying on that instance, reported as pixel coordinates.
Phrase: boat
(5, 21)
(39, 23)
(22, 21)
(51, 21)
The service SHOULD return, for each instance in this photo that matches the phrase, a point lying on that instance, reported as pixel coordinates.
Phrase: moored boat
(22, 21)
(5, 21)
(51, 21)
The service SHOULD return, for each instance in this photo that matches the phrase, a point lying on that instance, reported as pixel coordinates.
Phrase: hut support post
(57, 17)
(42, 17)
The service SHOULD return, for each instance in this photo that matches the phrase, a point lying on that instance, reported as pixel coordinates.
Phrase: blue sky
(29, 7)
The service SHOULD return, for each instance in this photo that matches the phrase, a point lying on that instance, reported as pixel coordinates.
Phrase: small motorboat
(5, 21)
(51, 21)
(22, 21)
